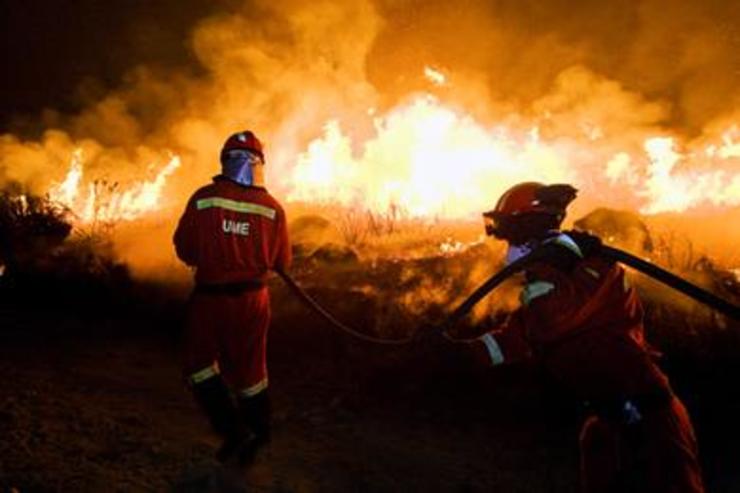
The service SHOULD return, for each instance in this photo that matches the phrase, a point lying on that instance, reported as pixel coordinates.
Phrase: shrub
(30, 226)
(44, 257)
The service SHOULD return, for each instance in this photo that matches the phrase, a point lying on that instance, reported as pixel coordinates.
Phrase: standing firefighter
(233, 232)
(584, 324)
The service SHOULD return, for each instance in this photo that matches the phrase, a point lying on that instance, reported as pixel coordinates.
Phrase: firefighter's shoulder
(204, 191)
(270, 200)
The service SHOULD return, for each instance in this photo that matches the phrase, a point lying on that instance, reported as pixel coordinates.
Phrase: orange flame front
(105, 203)
(429, 160)
(426, 159)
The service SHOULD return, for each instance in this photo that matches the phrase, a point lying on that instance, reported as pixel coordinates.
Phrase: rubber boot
(215, 400)
(255, 415)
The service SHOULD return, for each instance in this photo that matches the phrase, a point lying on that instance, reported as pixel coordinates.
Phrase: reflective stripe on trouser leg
(199, 376)
(253, 390)
(244, 342)
(201, 337)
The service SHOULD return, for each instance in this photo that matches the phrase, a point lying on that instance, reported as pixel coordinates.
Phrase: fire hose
(615, 254)
(323, 313)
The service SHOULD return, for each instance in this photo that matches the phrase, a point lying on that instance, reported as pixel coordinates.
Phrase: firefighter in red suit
(232, 232)
(583, 323)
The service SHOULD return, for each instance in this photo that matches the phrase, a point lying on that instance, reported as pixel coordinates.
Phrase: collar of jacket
(218, 178)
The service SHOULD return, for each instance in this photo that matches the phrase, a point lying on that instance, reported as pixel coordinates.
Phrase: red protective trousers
(656, 455)
(230, 331)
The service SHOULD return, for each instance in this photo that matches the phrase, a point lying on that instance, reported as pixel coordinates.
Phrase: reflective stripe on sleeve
(254, 389)
(535, 290)
(236, 206)
(626, 282)
(494, 350)
(565, 241)
(204, 374)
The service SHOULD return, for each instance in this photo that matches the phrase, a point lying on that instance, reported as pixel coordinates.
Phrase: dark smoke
(67, 54)
(684, 52)
(61, 55)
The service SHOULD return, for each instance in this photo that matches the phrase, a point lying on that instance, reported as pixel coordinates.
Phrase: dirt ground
(94, 402)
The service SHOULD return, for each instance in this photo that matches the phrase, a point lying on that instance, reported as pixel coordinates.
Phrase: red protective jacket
(231, 234)
(584, 324)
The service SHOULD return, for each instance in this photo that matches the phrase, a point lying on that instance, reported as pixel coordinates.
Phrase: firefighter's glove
(588, 243)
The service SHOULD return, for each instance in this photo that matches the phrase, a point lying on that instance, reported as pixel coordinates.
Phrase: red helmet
(528, 200)
(520, 199)
(245, 140)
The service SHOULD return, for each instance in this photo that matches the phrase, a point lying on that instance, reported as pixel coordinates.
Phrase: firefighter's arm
(185, 238)
(542, 308)
(283, 254)
(504, 344)
(550, 303)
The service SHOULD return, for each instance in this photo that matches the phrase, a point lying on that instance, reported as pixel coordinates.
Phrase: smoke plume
(603, 76)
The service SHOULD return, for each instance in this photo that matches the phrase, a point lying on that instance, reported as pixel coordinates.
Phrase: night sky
(61, 54)
(64, 55)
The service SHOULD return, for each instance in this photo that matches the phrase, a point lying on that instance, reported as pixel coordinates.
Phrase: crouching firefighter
(583, 323)
(232, 232)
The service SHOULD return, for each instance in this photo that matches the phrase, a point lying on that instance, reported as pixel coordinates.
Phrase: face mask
(238, 165)
(515, 252)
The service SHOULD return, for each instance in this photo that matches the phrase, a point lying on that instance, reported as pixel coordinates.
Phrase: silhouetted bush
(30, 227)
(45, 258)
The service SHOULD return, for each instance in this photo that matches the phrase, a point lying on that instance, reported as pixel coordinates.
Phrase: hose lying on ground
(657, 273)
(303, 296)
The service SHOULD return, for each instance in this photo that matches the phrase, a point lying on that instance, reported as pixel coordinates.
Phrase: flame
(430, 160)
(435, 76)
(677, 191)
(451, 246)
(102, 201)
(66, 192)
(426, 160)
